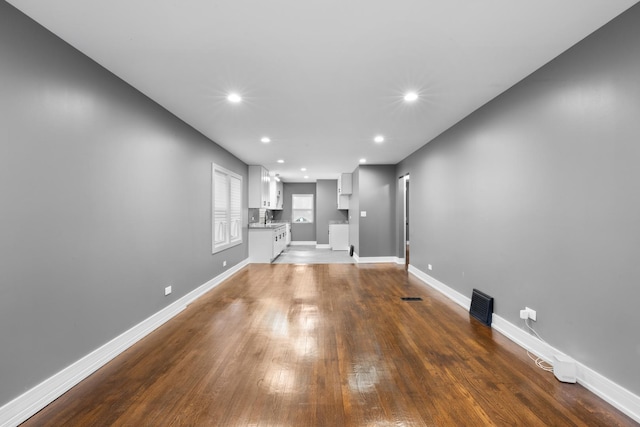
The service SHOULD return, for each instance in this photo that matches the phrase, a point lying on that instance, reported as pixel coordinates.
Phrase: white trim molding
(452, 294)
(612, 393)
(375, 259)
(323, 246)
(303, 243)
(29, 403)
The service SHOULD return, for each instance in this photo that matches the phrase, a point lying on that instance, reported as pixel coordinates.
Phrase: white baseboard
(375, 259)
(614, 394)
(303, 243)
(29, 403)
(401, 261)
(452, 294)
(323, 246)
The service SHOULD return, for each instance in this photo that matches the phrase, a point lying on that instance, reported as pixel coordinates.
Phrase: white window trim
(229, 216)
(312, 208)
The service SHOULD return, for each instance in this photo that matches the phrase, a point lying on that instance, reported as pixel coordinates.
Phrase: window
(227, 209)
(302, 206)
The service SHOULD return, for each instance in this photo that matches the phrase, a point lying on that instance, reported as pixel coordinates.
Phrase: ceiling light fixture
(363, 160)
(280, 161)
(234, 97)
(303, 169)
(265, 139)
(411, 96)
(306, 177)
(379, 139)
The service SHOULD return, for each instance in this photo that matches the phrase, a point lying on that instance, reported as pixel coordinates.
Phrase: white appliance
(339, 237)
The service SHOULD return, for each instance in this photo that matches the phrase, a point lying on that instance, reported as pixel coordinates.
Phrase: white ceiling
(322, 78)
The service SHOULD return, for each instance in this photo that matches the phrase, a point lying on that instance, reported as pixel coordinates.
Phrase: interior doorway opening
(406, 220)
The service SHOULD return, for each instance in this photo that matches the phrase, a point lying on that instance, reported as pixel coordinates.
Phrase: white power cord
(545, 366)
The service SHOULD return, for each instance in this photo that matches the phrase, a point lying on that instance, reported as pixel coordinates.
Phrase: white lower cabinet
(266, 243)
(339, 237)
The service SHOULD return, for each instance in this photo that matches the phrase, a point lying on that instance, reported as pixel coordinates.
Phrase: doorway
(405, 239)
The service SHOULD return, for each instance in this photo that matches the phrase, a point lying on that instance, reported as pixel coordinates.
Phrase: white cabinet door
(345, 188)
(339, 237)
(279, 240)
(345, 184)
(259, 196)
(343, 202)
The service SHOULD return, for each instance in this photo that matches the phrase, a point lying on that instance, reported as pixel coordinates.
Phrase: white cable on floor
(540, 363)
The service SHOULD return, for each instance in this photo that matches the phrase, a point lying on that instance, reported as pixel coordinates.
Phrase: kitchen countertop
(269, 226)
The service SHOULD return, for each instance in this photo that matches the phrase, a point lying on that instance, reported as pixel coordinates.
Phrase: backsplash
(260, 216)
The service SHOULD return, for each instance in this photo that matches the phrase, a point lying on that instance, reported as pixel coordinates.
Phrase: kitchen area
(312, 215)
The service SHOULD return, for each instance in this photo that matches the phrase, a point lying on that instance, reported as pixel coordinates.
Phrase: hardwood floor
(325, 345)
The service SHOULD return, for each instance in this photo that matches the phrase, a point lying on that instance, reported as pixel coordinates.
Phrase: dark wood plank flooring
(325, 345)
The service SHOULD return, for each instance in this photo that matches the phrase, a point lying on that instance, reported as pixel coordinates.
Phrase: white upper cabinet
(276, 194)
(345, 184)
(345, 188)
(259, 187)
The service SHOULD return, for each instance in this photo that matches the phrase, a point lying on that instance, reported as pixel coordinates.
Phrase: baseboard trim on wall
(303, 243)
(375, 259)
(323, 246)
(612, 393)
(29, 403)
(452, 294)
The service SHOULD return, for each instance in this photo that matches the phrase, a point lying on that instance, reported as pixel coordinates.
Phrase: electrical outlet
(532, 313)
(429, 266)
(224, 263)
(167, 290)
(528, 313)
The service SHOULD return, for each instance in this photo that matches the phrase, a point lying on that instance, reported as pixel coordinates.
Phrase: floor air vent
(411, 299)
(481, 307)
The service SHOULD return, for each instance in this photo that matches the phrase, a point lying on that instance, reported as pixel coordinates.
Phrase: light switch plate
(363, 214)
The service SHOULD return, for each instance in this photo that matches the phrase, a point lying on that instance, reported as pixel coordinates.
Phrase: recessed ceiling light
(411, 96)
(363, 160)
(234, 97)
(280, 161)
(306, 177)
(303, 169)
(379, 139)
(265, 139)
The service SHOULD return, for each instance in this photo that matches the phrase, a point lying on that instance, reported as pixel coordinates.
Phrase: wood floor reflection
(325, 345)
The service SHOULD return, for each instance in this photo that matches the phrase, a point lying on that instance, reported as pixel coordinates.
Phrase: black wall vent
(481, 307)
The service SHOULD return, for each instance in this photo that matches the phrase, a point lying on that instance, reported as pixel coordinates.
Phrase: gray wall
(377, 194)
(299, 232)
(535, 199)
(327, 208)
(105, 200)
(374, 191)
